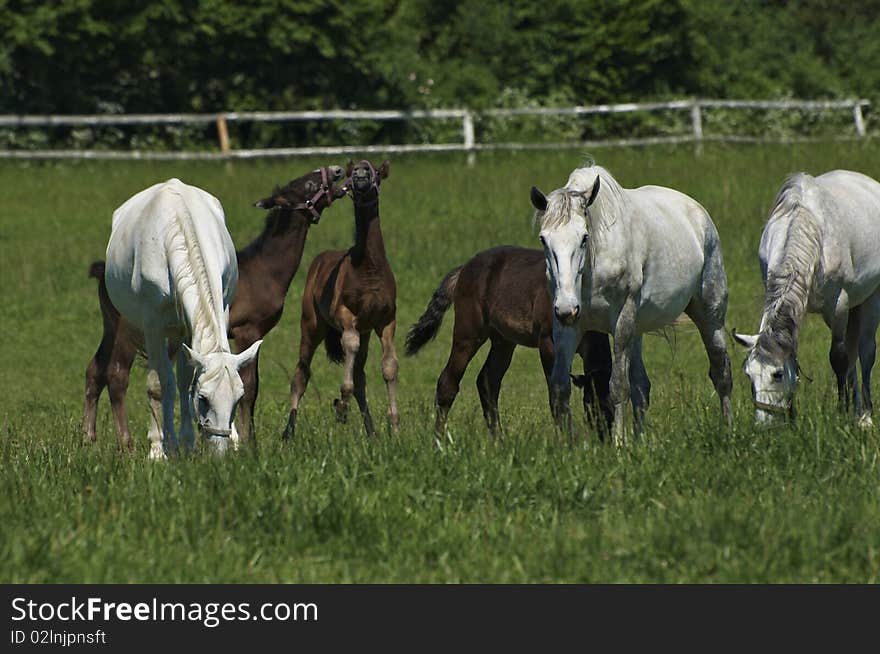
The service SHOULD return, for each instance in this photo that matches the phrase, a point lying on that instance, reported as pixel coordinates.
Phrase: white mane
(191, 278)
(788, 284)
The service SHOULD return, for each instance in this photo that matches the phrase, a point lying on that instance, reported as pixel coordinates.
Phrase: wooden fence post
(697, 126)
(223, 134)
(467, 129)
(858, 118)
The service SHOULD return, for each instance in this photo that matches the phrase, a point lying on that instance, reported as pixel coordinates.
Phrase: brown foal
(348, 294)
(501, 295)
(265, 270)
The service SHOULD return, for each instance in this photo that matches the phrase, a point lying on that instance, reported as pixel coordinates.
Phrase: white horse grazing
(171, 272)
(820, 252)
(624, 262)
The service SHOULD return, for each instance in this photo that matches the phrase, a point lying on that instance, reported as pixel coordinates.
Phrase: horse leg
(711, 326)
(837, 354)
(360, 386)
(160, 382)
(121, 361)
(620, 392)
(595, 351)
(311, 334)
(250, 378)
(853, 334)
(96, 380)
(389, 372)
(868, 353)
(351, 343)
(463, 350)
(565, 342)
(489, 381)
(467, 338)
(184, 380)
(640, 385)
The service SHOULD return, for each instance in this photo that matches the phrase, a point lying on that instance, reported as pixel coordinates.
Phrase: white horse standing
(624, 262)
(820, 252)
(171, 272)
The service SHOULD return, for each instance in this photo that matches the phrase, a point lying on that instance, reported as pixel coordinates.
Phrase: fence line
(466, 116)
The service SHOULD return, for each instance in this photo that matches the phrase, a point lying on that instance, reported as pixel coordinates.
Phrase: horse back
(156, 233)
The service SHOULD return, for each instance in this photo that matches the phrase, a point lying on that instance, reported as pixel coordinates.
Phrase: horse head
(773, 375)
(217, 388)
(311, 193)
(365, 180)
(565, 238)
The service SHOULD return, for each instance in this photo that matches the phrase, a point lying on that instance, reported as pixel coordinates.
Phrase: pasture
(690, 502)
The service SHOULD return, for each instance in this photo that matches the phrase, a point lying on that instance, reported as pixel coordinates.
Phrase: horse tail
(108, 311)
(333, 345)
(429, 323)
(96, 270)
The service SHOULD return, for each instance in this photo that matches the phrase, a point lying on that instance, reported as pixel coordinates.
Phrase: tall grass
(691, 502)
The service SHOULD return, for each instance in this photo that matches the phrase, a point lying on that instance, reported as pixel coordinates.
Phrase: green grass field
(691, 502)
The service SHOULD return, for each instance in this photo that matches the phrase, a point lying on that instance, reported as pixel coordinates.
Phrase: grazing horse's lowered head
(217, 388)
(364, 180)
(311, 193)
(566, 232)
(773, 373)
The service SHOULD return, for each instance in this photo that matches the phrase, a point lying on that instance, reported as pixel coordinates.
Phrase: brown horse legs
(250, 378)
(389, 372)
(489, 381)
(351, 344)
(309, 342)
(109, 367)
(360, 385)
(448, 383)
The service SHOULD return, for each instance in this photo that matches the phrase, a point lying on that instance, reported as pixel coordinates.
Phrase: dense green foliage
(692, 502)
(86, 56)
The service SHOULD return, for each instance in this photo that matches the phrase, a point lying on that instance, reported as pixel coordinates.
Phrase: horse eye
(543, 241)
(778, 374)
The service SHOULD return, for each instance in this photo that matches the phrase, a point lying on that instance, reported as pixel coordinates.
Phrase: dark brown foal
(348, 294)
(501, 295)
(265, 270)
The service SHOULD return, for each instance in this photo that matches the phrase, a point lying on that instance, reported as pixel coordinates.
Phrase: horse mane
(190, 272)
(609, 206)
(788, 284)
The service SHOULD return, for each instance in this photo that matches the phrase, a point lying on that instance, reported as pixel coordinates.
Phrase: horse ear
(594, 192)
(349, 167)
(244, 358)
(384, 169)
(195, 359)
(745, 340)
(539, 200)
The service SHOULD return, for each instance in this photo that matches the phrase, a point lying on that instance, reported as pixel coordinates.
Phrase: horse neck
(788, 284)
(280, 252)
(198, 288)
(369, 248)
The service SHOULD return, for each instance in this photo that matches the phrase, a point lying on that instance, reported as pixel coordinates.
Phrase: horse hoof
(865, 421)
(157, 454)
(341, 413)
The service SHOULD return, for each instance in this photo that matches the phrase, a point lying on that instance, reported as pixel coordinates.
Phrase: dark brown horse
(501, 295)
(265, 270)
(348, 294)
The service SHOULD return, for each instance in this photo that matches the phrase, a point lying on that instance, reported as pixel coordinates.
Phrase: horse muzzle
(568, 317)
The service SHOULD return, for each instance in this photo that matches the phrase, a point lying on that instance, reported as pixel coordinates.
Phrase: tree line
(105, 56)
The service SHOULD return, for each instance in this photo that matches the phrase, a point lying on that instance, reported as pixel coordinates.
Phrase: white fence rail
(467, 144)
